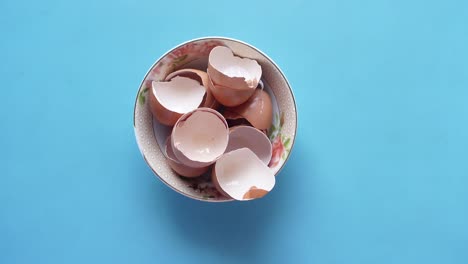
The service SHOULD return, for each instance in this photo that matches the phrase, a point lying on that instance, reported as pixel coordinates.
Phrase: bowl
(151, 135)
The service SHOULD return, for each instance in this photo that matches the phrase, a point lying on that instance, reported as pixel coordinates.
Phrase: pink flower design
(194, 49)
(278, 150)
(179, 52)
(158, 67)
(148, 83)
(208, 46)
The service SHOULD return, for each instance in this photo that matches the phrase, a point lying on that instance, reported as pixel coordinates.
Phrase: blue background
(379, 172)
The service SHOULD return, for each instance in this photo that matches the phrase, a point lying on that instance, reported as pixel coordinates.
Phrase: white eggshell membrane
(251, 138)
(200, 76)
(180, 94)
(200, 137)
(223, 60)
(240, 173)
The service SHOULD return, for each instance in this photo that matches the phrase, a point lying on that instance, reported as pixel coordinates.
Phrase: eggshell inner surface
(252, 138)
(201, 136)
(202, 77)
(180, 94)
(223, 60)
(242, 175)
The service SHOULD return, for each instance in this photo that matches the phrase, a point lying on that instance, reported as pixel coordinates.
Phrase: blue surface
(379, 173)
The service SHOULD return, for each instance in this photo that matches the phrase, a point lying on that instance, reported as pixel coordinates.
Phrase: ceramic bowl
(151, 135)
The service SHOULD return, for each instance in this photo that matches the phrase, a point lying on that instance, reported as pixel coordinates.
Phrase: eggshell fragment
(178, 167)
(201, 77)
(229, 70)
(200, 137)
(257, 110)
(170, 100)
(233, 79)
(251, 138)
(241, 175)
(229, 96)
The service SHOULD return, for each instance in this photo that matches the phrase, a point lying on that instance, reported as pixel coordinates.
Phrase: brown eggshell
(220, 79)
(258, 110)
(178, 167)
(234, 119)
(163, 115)
(228, 96)
(251, 138)
(254, 193)
(201, 77)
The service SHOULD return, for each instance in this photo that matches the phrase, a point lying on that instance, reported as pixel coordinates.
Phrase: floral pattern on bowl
(281, 143)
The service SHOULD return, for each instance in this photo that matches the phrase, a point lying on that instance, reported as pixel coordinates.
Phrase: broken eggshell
(177, 166)
(258, 110)
(230, 96)
(226, 69)
(201, 77)
(170, 100)
(233, 79)
(200, 137)
(241, 175)
(251, 138)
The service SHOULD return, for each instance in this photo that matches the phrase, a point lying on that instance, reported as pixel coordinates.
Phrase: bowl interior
(151, 134)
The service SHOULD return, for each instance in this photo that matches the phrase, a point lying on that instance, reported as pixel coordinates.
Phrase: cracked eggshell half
(178, 167)
(200, 137)
(241, 175)
(233, 79)
(201, 77)
(251, 138)
(230, 96)
(168, 101)
(258, 110)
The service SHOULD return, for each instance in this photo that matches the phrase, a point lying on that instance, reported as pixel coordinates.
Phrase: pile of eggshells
(219, 120)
